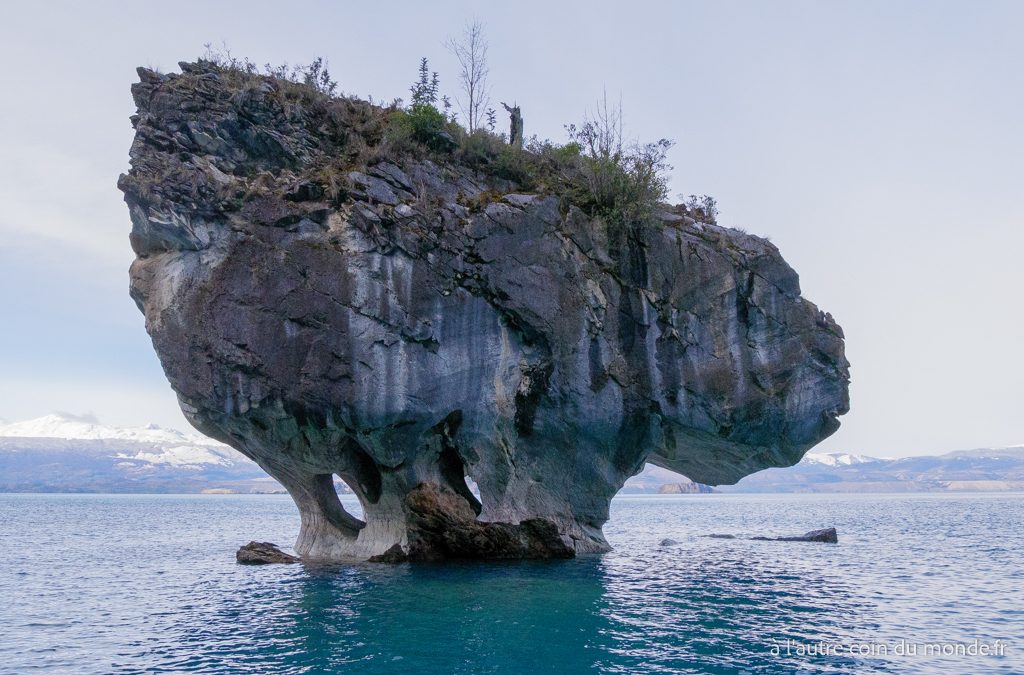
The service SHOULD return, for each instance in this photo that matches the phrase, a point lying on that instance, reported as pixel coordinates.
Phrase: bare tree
(471, 51)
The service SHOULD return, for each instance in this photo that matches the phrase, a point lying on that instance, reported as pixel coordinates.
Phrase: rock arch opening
(326, 497)
(360, 473)
(453, 471)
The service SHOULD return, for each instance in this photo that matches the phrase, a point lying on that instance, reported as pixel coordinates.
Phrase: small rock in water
(262, 553)
(721, 536)
(668, 542)
(827, 536)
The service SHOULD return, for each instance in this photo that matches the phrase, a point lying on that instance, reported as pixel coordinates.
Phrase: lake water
(128, 583)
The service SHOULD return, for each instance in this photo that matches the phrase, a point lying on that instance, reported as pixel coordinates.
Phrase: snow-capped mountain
(837, 459)
(992, 469)
(62, 452)
(68, 453)
(999, 469)
(159, 446)
(83, 427)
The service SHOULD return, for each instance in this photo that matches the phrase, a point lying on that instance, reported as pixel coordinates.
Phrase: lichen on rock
(409, 321)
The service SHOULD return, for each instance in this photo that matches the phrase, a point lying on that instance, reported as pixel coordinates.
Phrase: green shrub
(620, 182)
(567, 153)
(425, 124)
(479, 149)
(516, 164)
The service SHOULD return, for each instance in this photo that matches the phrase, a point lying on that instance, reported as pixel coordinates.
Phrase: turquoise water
(128, 583)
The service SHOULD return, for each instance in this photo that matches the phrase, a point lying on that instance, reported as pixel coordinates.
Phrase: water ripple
(134, 584)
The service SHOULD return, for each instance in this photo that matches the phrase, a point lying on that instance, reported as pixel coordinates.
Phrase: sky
(878, 144)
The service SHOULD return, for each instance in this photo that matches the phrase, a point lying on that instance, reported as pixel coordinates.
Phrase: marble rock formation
(332, 306)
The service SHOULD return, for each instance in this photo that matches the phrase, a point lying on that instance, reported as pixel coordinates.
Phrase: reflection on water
(148, 583)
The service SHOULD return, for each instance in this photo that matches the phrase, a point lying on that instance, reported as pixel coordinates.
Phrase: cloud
(55, 197)
(123, 402)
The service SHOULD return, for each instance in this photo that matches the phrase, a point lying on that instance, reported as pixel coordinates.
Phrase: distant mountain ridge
(86, 427)
(69, 453)
(982, 469)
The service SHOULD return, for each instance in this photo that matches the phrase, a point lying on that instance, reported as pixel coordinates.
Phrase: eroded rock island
(330, 306)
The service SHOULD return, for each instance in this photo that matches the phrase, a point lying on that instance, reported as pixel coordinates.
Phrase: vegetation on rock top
(597, 169)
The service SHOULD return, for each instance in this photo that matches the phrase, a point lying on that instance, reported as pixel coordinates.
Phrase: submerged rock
(262, 553)
(404, 322)
(668, 542)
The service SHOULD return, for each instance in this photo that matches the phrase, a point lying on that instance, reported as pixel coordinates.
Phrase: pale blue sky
(878, 144)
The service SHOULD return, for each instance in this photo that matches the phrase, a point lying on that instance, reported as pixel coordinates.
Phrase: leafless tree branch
(471, 51)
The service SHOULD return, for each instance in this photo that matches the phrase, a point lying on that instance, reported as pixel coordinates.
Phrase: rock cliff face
(410, 322)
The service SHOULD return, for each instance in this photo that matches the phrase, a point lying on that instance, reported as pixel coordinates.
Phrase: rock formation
(262, 553)
(328, 305)
(441, 524)
(827, 536)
